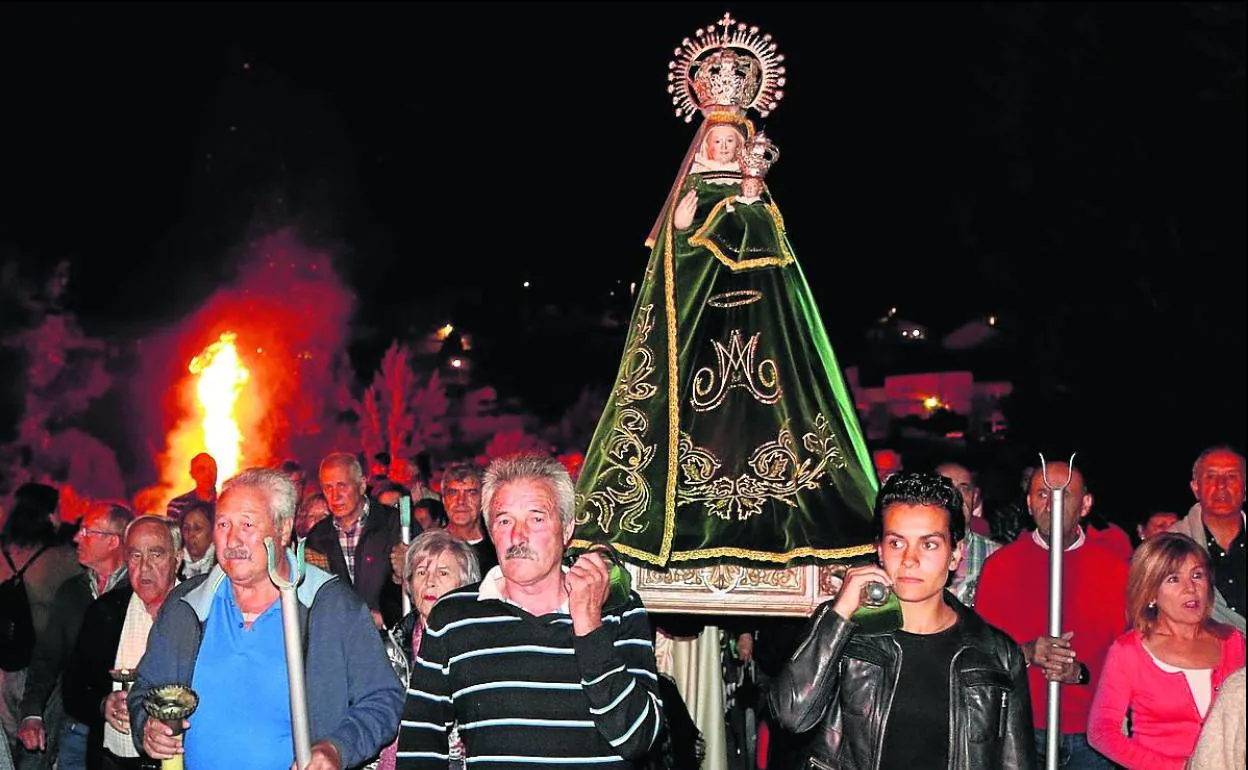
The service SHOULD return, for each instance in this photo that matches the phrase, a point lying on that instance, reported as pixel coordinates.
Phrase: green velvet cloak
(730, 435)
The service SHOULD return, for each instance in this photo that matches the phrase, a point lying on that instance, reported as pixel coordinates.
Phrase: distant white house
(913, 376)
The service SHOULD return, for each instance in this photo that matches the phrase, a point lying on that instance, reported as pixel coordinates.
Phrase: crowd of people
(1152, 636)
(514, 652)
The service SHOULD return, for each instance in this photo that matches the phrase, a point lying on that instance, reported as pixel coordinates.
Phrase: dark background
(1077, 169)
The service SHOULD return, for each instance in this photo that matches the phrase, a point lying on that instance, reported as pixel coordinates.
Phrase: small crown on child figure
(758, 156)
(730, 69)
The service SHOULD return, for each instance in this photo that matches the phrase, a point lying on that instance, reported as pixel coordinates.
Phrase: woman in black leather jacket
(946, 690)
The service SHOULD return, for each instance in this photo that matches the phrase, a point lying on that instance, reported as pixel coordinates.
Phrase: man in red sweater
(1013, 596)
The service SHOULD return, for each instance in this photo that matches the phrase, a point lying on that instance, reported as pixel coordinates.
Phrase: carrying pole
(293, 638)
(1057, 549)
(405, 531)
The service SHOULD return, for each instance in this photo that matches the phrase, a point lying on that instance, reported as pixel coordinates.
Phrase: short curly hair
(909, 488)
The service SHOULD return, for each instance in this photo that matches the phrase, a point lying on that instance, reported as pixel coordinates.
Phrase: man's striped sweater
(526, 692)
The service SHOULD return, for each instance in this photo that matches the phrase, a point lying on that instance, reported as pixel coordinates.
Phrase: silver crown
(731, 69)
(758, 156)
(726, 79)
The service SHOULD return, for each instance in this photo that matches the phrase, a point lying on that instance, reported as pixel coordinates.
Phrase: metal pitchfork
(1057, 500)
(294, 653)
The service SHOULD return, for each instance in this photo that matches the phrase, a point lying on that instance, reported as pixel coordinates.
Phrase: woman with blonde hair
(1165, 671)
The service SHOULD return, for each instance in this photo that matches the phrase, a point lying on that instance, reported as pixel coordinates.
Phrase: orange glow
(221, 379)
(219, 405)
(271, 377)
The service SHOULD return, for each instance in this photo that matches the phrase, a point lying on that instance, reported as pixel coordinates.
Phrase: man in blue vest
(221, 634)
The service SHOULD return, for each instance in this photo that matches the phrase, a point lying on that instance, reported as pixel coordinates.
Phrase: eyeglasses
(100, 532)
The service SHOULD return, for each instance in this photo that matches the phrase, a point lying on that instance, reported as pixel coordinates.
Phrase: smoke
(290, 312)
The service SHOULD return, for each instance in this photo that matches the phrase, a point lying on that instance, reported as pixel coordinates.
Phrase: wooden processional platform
(730, 589)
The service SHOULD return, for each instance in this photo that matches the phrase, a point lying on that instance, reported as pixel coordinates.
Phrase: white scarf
(203, 565)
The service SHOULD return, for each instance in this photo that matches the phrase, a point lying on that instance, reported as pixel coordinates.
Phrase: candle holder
(124, 676)
(170, 704)
(879, 611)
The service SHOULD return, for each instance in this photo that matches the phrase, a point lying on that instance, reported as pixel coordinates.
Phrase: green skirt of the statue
(729, 435)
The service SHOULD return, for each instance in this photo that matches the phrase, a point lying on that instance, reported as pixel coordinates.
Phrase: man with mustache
(221, 633)
(1216, 522)
(114, 636)
(531, 663)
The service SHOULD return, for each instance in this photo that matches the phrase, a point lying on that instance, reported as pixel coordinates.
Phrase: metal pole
(1057, 499)
(293, 637)
(405, 530)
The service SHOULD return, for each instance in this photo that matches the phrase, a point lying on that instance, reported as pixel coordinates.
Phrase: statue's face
(722, 144)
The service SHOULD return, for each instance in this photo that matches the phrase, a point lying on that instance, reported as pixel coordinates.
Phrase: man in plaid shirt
(977, 547)
(358, 536)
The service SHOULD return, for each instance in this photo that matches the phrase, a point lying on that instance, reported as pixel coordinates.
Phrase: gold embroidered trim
(779, 473)
(624, 451)
(638, 363)
(720, 118)
(702, 238)
(775, 214)
(735, 369)
(738, 298)
(673, 393)
(774, 558)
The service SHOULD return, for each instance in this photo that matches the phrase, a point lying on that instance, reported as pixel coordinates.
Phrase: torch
(170, 704)
(294, 652)
(1057, 500)
(405, 531)
(124, 677)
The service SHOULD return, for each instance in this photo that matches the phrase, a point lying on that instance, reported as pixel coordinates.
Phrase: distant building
(447, 348)
(952, 388)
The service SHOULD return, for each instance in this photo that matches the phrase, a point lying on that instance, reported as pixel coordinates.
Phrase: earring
(1152, 605)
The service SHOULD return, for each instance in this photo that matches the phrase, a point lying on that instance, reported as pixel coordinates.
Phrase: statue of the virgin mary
(730, 434)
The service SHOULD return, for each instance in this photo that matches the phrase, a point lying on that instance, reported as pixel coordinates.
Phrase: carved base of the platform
(729, 589)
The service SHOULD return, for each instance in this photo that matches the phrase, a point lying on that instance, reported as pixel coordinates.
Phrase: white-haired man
(221, 633)
(358, 537)
(528, 662)
(114, 636)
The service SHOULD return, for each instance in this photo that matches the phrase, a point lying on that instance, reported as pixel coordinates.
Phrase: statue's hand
(685, 210)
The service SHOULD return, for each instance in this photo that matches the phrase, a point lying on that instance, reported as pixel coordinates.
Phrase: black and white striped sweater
(526, 692)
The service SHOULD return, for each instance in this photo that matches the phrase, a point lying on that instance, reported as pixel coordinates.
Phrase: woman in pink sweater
(1166, 671)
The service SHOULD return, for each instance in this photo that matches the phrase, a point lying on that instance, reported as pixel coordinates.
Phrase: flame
(221, 379)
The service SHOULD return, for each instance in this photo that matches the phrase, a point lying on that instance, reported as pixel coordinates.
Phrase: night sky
(1077, 169)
